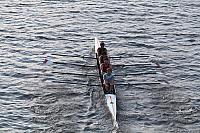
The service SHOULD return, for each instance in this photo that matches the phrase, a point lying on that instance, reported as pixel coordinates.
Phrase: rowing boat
(109, 97)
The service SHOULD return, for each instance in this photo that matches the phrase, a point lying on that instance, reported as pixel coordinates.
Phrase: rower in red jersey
(105, 65)
(101, 49)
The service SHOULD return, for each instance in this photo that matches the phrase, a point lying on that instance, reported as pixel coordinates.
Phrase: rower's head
(102, 44)
(109, 71)
(106, 61)
(105, 57)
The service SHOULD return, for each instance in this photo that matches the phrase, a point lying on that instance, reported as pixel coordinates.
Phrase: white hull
(111, 104)
(110, 98)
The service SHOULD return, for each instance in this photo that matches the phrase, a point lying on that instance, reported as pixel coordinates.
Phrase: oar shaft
(136, 64)
(67, 82)
(78, 74)
(142, 73)
(113, 57)
(78, 56)
(81, 65)
(142, 83)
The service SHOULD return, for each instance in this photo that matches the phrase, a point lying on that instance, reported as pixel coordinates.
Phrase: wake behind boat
(110, 96)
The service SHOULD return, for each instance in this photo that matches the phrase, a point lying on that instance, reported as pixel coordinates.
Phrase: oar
(140, 83)
(78, 74)
(115, 65)
(81, 65)
(48, 61)
(114, 57)
(120, 57)
(136, 64)
(128, 84)
(78, 56)
(84, 84)
(95, 75)
(139, 73)
(84, 65)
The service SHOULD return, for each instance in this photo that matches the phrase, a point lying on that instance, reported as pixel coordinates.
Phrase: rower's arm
(113, 80)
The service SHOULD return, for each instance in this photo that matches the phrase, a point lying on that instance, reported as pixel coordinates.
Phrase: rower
(108, 78)
(103, 57)
(101, 49)
(105, 65)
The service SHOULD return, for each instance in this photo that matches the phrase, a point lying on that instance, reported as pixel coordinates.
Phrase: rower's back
(101, 50)
(105, 65)
(109, 78)
(103, 57)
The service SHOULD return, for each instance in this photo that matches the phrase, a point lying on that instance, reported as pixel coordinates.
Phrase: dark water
(32, 98)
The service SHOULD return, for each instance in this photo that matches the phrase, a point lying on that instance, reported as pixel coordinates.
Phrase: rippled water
(33, 98)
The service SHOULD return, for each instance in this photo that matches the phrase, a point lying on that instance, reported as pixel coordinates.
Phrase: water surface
(33, 98)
